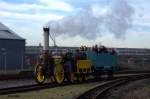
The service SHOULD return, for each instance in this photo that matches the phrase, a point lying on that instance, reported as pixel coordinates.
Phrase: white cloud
(24, 11)
(57, 5)
(21, 7)
(99, 10)
(32, 17)
(40, 5)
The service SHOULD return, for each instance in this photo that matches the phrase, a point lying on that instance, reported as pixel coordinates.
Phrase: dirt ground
(135, 90)
(64, 92)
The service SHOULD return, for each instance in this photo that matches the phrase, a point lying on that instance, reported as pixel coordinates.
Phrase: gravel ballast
(135, 90)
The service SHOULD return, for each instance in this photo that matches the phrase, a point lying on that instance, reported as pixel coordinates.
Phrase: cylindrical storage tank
(46, 39)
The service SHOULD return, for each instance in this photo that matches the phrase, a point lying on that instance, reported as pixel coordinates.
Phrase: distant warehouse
(12, 49)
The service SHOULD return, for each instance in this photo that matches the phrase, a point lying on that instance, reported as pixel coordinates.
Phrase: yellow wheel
(59, 73)
(39, 74)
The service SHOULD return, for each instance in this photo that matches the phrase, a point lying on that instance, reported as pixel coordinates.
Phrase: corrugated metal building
(133, 58)
(12, 49)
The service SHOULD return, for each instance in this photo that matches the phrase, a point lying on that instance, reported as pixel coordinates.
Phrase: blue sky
(27, 17)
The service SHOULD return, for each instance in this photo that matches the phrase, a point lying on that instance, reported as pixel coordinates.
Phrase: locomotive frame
(78, 69)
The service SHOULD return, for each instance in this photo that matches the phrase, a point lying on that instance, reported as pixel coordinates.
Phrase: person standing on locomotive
(46, 63)
(68, 61)
(51, 64)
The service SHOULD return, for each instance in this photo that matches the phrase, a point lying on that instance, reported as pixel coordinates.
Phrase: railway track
(11, 90)
(100, 91)
(27, 88)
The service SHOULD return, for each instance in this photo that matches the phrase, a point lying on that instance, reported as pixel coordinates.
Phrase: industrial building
(12, 50)
(135, 58)
(132, 58)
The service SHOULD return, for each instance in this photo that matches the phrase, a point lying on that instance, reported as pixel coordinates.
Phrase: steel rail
(18, 89)
(101, 91)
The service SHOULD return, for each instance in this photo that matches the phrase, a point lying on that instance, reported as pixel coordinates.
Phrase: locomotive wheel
(84, 77)
(110, 74)
(59, 73)
(97, 75)
(39, 74)
(79, 78)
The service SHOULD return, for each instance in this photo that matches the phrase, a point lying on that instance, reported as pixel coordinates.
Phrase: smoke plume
(116, 20)
(119, 19)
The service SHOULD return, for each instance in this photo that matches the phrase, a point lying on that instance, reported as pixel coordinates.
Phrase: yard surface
(140, 93)
(135, 90)
(64, 92)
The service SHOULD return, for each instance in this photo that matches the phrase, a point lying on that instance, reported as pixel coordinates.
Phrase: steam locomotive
(74, 65)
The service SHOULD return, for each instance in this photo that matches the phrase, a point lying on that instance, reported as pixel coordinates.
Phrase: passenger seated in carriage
(51, 64)
(113, 51)
(100, 49)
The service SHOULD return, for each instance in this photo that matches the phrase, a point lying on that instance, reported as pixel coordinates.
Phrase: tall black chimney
(46, 39)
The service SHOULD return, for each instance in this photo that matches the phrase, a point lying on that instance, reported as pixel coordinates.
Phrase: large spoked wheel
(39, 74)
(59, 73)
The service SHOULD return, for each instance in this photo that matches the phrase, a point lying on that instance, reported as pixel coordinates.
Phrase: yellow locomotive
(59, 66)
